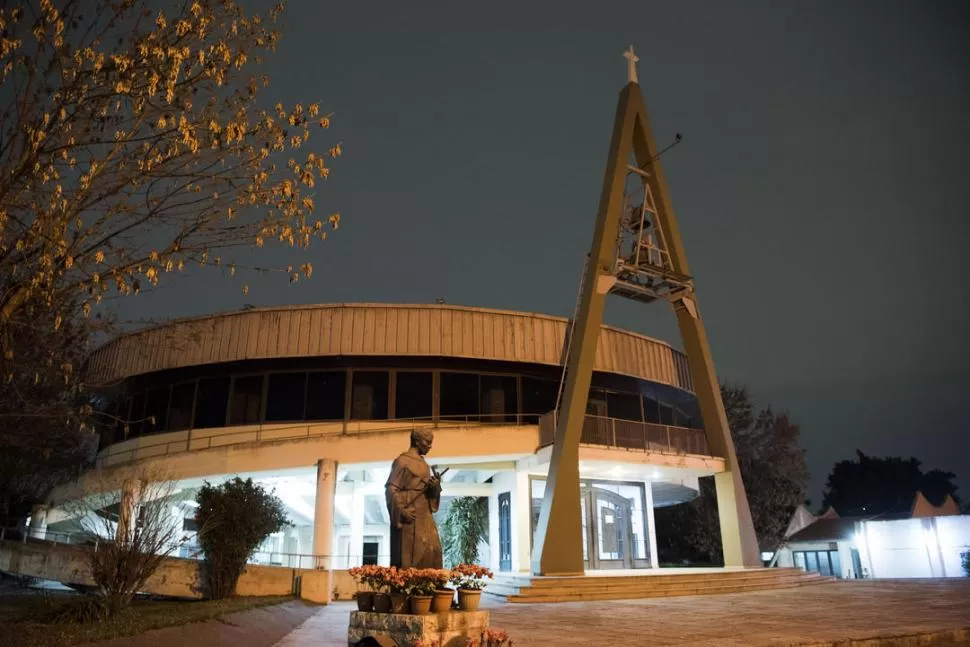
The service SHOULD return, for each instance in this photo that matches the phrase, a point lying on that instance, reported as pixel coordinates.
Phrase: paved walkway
(814, 615)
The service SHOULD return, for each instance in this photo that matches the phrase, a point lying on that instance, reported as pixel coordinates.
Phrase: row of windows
(364, 395)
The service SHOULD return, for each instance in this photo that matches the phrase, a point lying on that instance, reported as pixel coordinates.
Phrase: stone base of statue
(448, 629)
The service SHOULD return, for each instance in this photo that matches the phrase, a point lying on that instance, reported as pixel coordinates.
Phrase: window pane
(651, 410)
(625, 406)
(666, 415)
(369, 396)
(247, 399)
(499, 401)
(137, 415)
(326, 392)
(210, 406)
(156, 405)
(180, 406)
(124, 413)
(285, 397)
(413, 396)
(538, 398)
(836, 563)
(459, 394)
(811, 562)
(823, 563)
(799, 559)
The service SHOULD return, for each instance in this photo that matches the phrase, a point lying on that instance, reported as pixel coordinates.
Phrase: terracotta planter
(469, 599)
(382, 603)
(421, 605)
(365, 600)
(399, 603)
(442, 600)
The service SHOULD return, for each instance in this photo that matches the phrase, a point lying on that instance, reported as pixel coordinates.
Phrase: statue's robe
(413, 543)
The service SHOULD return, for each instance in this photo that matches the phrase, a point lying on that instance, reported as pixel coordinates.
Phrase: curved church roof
(367, 329)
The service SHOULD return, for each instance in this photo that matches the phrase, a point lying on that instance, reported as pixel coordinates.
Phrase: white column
(357, 525)
(128, 509)
(493, 536)
(38, 522)
(651, 527)
(323, 513)
(521, 523)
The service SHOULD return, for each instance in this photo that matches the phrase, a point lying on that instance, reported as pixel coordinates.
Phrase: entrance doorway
(614, 523)
(505, 531)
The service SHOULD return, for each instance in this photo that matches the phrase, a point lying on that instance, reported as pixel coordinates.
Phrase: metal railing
(630, 434)
(269, 432)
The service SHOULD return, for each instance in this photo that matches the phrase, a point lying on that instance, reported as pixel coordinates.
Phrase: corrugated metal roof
(376, 329)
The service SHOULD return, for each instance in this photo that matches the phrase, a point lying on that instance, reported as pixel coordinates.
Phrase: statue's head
(421, 440)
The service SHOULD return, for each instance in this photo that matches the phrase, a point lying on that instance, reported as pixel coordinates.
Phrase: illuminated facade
(316, 402)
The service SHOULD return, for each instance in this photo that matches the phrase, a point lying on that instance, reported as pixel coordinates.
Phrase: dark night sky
(821, 186)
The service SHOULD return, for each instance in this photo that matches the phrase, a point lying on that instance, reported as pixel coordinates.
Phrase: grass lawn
(144, 615)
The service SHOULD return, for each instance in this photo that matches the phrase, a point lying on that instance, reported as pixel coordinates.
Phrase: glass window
(625, 406)
(325, 395)
(538, 398)
(156, 410)
(247, 400)
(211, 403)
(666, 415)
(811, 562)
(124, 412)
(799, 559)
(285, 397)
(459, 395)
(413, 395)
(180, 406)
(499, 398)
(651, 410)
(836, 563)
(369, 395)
(823, 564)
(137, 415)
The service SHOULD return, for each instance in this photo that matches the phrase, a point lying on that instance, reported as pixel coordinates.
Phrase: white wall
(927, 547)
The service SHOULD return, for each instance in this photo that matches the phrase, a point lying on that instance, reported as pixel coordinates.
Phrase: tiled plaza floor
(821, 614)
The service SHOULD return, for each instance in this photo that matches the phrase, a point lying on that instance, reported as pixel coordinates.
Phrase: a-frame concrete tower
(637, 253)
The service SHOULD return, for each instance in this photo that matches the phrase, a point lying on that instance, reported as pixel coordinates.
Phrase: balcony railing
(630, 434)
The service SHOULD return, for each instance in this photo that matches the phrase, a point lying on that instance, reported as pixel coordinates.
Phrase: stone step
(582, 595)
(753, 574)
(643, 584)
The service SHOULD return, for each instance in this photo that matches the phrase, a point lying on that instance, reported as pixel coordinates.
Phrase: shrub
(234, 518)
(965, 561)
(465, 525)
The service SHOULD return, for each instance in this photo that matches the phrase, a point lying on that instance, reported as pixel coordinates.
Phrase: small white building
(926, 542)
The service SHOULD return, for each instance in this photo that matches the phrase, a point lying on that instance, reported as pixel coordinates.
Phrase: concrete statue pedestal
(448, 629)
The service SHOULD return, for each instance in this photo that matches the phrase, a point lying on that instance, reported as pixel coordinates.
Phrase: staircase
(526, 588)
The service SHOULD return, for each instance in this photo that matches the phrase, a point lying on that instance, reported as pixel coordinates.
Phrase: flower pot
(442, 600)
(421, 604)
(469, 599)
(365, 600)
(382, 603)
(399, 603)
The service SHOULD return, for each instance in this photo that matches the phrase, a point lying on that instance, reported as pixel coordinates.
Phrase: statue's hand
(434, 486)
(408, 515)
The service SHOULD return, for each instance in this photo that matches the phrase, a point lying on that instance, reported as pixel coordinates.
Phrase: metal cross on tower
(637, 253)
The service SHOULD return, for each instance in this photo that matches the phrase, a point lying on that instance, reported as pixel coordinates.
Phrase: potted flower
(443, 596)
(470, 580)
(420, 586)
(396, 582)
(382, 600)
(364, 577)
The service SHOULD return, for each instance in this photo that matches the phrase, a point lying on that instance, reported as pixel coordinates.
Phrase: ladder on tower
(568, 339)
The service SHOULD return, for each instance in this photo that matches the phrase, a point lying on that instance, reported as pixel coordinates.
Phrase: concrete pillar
(357, 525)
(651, 527)
(323, 514)
(521, 523)
(38, 522)
(128, 509)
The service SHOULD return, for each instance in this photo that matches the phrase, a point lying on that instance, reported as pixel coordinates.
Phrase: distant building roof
(826, 530)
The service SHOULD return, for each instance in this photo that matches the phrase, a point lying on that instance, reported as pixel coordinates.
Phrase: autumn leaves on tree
(132, 146)
(135, 142)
